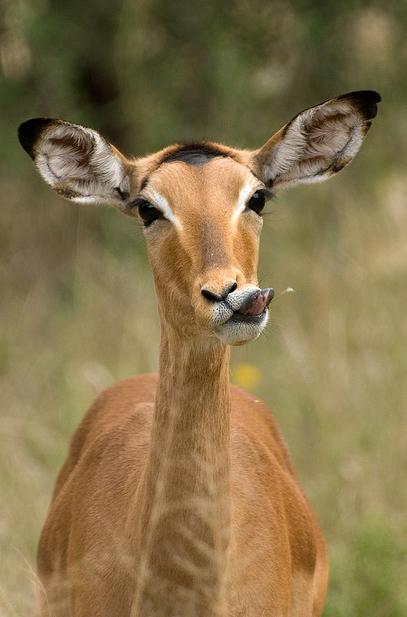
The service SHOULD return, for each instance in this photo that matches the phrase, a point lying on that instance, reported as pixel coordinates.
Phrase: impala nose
(257, 302)
(212, 296)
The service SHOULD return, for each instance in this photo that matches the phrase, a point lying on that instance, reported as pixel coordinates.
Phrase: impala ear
(318, 142)
(77, 162)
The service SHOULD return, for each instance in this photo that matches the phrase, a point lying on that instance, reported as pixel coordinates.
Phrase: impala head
(201, 204)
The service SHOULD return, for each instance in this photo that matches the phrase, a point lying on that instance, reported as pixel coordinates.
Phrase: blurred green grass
(78, 309)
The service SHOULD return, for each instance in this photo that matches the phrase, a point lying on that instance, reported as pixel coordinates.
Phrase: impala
(178, 497)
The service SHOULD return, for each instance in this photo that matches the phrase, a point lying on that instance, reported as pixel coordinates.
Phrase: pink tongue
(257, 302)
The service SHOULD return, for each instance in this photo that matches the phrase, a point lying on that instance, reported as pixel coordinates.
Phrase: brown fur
(254, 545)
(276, 556)
(178, 497)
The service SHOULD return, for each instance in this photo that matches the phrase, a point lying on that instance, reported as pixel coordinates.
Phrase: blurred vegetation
(78, 308)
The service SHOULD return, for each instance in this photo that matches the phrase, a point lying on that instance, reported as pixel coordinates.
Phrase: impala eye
(148, 213)
(257, 201)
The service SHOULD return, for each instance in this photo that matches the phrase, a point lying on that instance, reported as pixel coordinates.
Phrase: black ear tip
(29, 132)
(370, 95)
(365, 101)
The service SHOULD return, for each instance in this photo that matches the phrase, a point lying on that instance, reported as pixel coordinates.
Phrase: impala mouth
(239, 329)
(247, 321)
(256, 304)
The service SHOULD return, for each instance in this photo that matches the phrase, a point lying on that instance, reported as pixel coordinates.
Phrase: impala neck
(187, 485)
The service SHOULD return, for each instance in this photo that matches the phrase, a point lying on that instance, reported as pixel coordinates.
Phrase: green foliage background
(78, 309)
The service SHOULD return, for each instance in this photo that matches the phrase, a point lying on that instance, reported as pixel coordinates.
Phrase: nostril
(209, 295)
(214, 297)
(232, 288)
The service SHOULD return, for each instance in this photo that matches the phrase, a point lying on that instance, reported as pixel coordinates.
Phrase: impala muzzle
(257, 302)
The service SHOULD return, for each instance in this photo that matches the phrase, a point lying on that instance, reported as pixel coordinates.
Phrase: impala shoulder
(128, 392)
(253, 420)
(245, 404)
(125, 399)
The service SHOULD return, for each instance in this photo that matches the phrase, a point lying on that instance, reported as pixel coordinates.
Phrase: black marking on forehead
(191, 153)
(194, 154)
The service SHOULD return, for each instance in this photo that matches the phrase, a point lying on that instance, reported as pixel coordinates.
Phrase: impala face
(202, 226)
(201, 204)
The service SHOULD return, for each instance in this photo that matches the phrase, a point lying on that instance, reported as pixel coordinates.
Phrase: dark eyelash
(149, 213)
(136, 203)
(258, 200)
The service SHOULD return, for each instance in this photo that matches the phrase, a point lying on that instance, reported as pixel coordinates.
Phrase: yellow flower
(246, 375)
